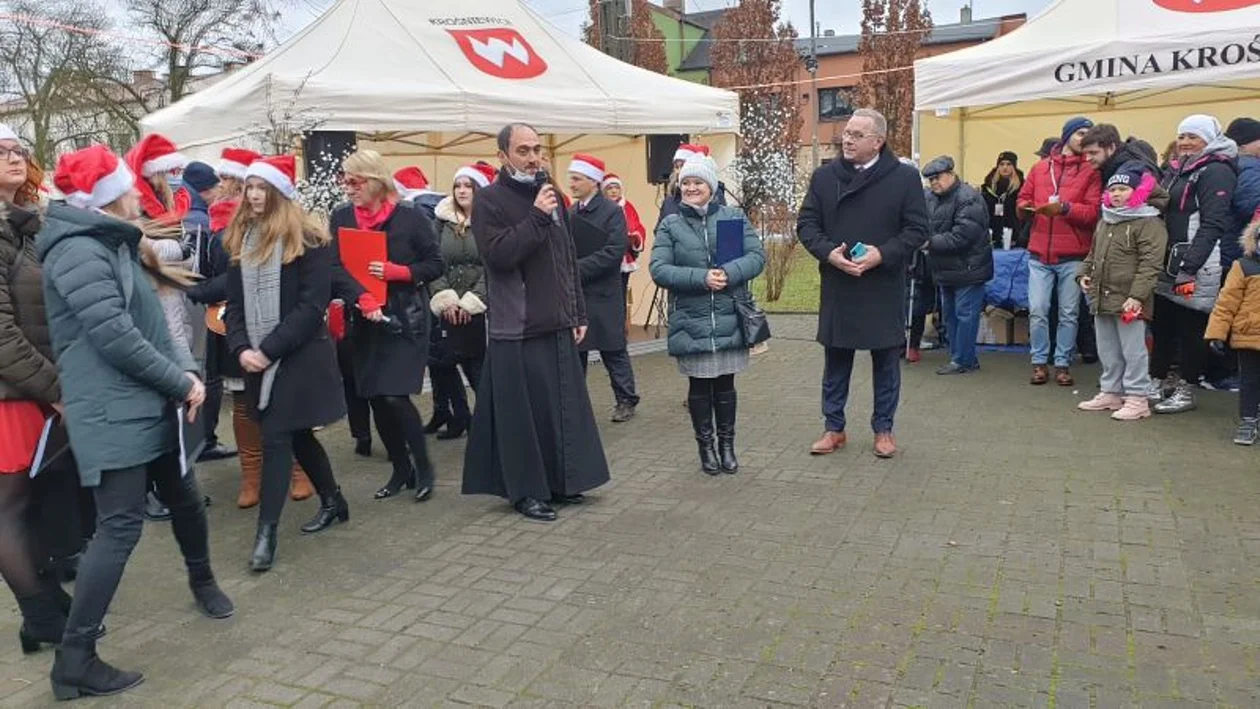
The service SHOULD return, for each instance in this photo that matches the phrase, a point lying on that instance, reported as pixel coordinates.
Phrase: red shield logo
(1205, 5)
(501, 52)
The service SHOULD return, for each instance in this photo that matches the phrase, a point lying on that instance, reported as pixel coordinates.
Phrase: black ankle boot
(701, 410)
(210, 599)
(332, 508)
(440, 419)
(264, 547)
(78, 672)
(43, 621)
(724, 413)
(456, 428)
(403, 478)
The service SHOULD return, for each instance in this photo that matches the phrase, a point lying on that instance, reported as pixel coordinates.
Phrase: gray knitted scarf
(261, 283)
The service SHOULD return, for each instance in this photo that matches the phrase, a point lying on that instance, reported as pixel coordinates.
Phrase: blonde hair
(282, 221)
(370, 165)
(163, 273)
(162, 190)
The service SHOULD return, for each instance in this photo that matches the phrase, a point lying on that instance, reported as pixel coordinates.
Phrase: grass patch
(800, 290)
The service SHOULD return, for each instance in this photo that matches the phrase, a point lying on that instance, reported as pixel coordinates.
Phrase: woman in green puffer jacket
(704, 328)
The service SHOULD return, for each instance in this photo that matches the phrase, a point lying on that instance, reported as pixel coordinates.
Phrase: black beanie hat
(1008, 156)
(1243, 130)
(200, 176)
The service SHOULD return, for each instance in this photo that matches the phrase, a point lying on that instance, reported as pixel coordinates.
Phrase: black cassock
(533, 433)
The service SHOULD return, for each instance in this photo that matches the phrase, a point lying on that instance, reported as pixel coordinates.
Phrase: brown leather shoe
(1063, 377)
(1040, 375)
(830, 442)
(885, 446)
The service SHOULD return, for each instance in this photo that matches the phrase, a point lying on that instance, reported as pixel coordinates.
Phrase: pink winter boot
(1102, 401)
(1135, 408)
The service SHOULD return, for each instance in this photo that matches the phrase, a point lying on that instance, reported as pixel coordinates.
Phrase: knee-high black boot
(701, 409)
(724, 404)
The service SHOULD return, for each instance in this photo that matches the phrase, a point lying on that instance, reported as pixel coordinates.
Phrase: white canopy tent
(1149, 62)
(428, 65)
(429, 83)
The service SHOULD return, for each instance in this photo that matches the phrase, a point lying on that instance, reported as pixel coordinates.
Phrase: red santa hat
(700, 149)
(587, 166)
(684, 151)
(410, 182)
(481, 174)
(154, 155)
(235, 161)
(279, 171)
(92, 178)
(612, 179)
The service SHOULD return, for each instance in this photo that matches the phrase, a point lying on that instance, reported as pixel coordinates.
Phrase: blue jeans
(885, 380)
(1043, 280)
(961, 307)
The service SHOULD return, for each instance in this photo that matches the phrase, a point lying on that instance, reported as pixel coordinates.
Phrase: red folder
(359, 247)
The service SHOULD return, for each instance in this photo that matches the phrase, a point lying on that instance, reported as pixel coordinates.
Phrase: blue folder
(730, 241)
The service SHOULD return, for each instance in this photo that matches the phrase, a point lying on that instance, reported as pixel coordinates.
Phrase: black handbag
(752, 320)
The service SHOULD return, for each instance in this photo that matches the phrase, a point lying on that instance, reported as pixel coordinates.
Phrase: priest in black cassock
(534, 439)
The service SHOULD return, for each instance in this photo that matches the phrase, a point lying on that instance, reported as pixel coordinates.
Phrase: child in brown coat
(1236, 318)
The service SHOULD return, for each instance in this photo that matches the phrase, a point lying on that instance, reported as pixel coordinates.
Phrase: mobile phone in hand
(858, 250)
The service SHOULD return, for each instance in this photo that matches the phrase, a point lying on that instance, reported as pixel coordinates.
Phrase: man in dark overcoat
(600, 237)
(872, 199)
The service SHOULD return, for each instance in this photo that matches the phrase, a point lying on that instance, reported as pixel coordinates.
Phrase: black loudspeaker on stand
(323, 146)
(660, 156)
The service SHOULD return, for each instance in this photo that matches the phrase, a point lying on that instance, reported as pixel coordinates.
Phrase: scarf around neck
(261, 285)
(371, 220)
(1117, 215)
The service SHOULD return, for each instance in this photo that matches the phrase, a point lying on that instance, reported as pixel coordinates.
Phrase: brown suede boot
(300, 488)
(249, 448)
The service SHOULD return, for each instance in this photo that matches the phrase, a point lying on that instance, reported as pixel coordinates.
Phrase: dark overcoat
(392, 363)
(601, 240)
(307, 391)
(881, 206)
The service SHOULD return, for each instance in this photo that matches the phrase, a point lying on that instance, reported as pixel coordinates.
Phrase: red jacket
(1078, 185)
(634, 227)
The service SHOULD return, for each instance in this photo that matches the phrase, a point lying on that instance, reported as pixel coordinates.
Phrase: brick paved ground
(1017, 554)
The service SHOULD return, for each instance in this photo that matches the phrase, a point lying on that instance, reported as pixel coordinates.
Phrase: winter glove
(1184, 285)
(1217, 346)
(367, 303)
(396, 273)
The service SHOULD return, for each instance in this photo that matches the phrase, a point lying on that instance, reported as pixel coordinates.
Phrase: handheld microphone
(542, 178)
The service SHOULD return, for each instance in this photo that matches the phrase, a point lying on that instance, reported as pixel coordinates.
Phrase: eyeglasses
(936, 177)
(20, 153)
(854, 135)
(353, 183)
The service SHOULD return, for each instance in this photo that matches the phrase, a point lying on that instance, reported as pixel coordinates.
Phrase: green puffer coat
(114, 353)
(701, 320)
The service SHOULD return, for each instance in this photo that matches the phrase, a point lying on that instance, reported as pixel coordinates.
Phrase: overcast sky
(843, 16)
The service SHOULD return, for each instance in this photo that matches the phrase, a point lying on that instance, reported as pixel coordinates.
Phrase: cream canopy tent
(429, 82)
(1140, 64)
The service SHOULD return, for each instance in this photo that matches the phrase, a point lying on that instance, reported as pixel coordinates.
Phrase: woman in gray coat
(704, 327)
(120, 381)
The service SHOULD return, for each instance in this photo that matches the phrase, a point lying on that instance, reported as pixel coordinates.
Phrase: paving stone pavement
(1017, 553)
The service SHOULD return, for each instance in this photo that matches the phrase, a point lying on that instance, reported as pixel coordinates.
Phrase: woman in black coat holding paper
(278, 293)
(391, 339)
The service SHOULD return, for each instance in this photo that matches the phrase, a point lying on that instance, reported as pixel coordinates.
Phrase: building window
(834, 104)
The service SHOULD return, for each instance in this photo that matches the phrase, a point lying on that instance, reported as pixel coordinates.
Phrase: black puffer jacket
(961, 254)
(27, 368)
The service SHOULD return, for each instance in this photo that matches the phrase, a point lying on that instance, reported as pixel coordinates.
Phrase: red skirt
(21, 422)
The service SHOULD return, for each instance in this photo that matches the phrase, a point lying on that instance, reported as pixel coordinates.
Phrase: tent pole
(962, 140)
(914, 138)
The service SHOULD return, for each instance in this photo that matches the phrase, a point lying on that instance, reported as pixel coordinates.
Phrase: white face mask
(522, 177)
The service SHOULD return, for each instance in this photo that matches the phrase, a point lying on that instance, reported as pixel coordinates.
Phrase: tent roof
(1080, 47)
(440, 66)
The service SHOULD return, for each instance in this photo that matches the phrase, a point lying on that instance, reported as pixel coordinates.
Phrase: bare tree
(892, 33)
(43, 69)
(646, 43)
(201, 35)
(755, 54)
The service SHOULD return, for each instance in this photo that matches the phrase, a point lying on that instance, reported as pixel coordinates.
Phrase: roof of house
(979, 30)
